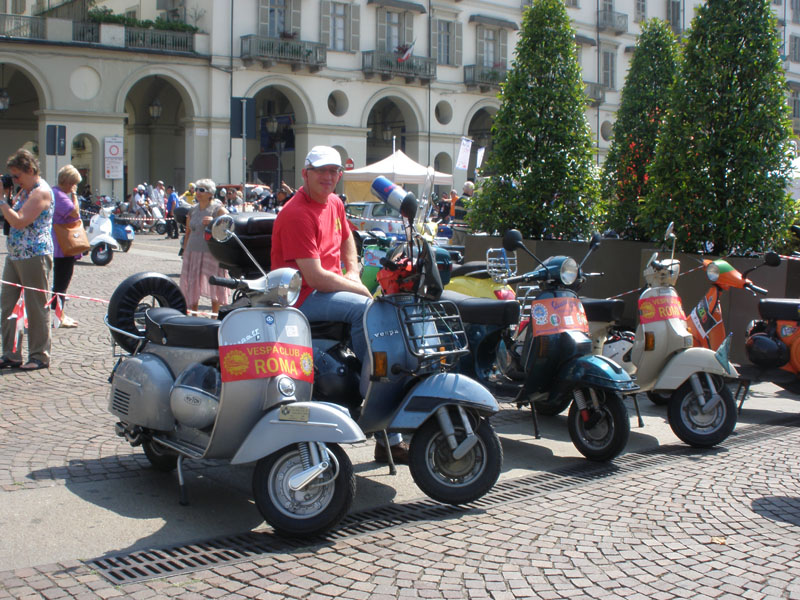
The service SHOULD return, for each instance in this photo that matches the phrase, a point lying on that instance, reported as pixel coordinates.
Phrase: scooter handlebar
(757, 290)
(224, 282)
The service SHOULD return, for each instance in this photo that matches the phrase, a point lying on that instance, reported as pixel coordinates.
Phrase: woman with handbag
(28, 263)
(69, 238)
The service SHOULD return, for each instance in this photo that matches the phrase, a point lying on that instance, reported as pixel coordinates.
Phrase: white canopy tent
(397, 167)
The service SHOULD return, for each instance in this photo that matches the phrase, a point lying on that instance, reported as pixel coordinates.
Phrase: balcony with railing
(387, 65)
(485, 78)
(297, 53)
(595, 92)
(159, 39)
(18, 26)
(86, 32)
(611, 20)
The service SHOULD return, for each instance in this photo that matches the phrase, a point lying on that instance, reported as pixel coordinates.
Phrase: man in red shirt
(311, 234)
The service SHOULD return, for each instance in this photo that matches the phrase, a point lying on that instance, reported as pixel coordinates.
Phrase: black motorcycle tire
(695, 429)
(124, 245)
(161, 228)
(102, 254)
(161, 458)
(454, 482)
(658, 398)
(126, 305)
(270, 484)
(608, 438)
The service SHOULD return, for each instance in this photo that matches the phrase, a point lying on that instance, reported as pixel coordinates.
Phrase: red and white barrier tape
(91, 299)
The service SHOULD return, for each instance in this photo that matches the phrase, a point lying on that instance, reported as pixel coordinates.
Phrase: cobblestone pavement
(718, 524)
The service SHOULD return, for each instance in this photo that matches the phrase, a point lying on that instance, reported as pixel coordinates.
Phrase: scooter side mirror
(595, 241)
(772, 259)
(653, 257)
(408, 207)
(512, 240)
(669, 233)
(222, 229)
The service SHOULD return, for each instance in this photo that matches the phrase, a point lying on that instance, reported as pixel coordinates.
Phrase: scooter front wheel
(450, 480)
(102, 254)
(601, 433)
(312, 510)
(692, 425)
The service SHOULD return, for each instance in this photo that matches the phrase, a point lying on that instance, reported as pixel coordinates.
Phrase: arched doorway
(391, 122)
(83, 152)
(155, 136)
(271, 156)
(19, 103)
(480, 131)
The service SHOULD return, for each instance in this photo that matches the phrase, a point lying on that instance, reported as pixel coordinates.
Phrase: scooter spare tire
(136, 294)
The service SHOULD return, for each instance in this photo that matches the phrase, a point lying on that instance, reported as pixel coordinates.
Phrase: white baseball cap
(321, 156)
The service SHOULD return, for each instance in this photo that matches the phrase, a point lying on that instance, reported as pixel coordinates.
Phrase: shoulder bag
(71, 238)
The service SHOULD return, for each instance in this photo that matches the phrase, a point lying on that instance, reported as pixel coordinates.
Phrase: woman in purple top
(66, 210)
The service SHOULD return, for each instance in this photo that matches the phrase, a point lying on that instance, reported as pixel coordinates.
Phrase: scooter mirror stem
(593, 245)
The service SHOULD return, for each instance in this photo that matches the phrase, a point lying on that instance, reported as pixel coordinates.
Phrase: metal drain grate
(151, 564)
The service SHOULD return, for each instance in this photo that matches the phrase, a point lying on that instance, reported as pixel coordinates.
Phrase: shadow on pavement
(778, 508)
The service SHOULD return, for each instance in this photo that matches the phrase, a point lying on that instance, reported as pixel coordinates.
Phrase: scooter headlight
(283, 285)
(569, 271)
(712, 271)
(286, 386)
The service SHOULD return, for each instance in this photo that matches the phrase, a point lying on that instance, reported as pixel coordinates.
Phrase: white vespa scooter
(701, 408)
(237, 390)
(99, 234)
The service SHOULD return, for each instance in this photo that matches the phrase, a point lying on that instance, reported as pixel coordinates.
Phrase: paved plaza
(82, 515)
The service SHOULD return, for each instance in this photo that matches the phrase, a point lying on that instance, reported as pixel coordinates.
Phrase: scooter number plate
(294, 413)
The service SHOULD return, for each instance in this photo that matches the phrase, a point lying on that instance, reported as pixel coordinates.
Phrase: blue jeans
(348, 308)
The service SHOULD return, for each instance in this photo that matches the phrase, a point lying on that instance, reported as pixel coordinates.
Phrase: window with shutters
(609, 68)
(640, 11)
(572, 3)
(492, 44)
(795, 103)
(444, 41)
(339, 26)
(794, 48)
(3, 6)
(394, 30)
(674, 14)
(272, 20)
(795, 11)
(18, 7)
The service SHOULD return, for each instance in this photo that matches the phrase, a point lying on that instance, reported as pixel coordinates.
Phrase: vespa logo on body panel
(269, 359)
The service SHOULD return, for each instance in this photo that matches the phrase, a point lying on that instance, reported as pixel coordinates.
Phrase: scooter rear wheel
(691, 425)
(311, 511)
(446, 479)
(161, 228)
(161, 458)
(607, 437)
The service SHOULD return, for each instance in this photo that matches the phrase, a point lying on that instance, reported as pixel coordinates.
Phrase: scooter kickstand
(183, 497)
(392, 468)
(638, 414)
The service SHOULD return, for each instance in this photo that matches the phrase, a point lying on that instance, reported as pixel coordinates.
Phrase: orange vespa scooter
(705, 321)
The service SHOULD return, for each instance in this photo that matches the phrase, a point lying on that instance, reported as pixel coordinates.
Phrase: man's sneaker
(399, 453)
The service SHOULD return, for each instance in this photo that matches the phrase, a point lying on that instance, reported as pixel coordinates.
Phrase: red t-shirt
(307, 229)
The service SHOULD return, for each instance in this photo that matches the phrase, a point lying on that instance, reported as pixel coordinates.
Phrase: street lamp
(276, 129)
(155, 110)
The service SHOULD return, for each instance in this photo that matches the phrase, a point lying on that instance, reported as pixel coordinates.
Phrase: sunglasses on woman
(200, 190)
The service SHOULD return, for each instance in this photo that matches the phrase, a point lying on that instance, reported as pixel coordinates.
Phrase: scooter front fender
(692, 360)
(594, 371)
(104, 238)
(326, 422)
(438, 390)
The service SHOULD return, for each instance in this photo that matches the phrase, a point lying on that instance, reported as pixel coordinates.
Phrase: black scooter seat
(170, 327)
(484, 311)
(475, 268)
(602, 310)
(780, 309)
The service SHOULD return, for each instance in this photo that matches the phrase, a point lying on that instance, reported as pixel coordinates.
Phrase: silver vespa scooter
(238, 389)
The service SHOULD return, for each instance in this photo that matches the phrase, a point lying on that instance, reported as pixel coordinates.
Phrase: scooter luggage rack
(526, 294)
(500, 265)
(433, 332)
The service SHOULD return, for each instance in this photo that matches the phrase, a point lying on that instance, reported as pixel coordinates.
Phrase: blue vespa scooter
(545, 358)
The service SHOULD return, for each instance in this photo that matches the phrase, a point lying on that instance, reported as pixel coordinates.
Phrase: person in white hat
(311, 234)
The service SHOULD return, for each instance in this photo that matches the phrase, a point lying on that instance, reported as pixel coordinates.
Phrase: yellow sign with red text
(266, 359)
(660, 308)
